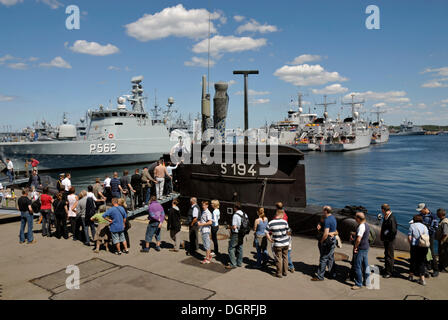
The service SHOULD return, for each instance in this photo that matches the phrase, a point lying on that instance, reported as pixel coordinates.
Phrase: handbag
(424, 241)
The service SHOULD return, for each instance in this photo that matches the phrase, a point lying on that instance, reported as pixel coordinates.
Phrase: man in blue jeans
(236, 239)
(156, 218)
(361, 251)
(26, 217)
(327, 245)
(10, 170)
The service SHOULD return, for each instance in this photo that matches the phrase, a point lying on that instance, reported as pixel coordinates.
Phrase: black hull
(208, 182)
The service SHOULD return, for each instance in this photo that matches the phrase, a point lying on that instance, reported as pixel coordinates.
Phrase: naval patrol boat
(110, 137)
(294, 125)
(408, 128)
(352, 134)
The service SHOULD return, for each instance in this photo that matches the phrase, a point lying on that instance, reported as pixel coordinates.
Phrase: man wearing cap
(431, 222)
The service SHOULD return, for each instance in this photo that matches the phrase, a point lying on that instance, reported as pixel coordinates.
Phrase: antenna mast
(208, 52)
(353, 104)
(378, 112)
(300, 100)
(325, 105)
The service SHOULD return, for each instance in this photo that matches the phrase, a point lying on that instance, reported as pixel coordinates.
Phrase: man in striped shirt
(277, 233)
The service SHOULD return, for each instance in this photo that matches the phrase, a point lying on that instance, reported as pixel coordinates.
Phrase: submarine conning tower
(237, 172)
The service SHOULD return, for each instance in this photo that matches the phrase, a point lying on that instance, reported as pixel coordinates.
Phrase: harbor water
(406, 171)
(403, 173)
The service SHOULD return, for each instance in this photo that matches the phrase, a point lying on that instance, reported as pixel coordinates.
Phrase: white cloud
(57, 62)
(32, 59)
(422, 106)
(332, 89)
(10, 2)
(239, 18)
(173, 21)
(444, 101)
(305, 58)
(260, 101)
(380, 105)
(255, 26)
(199, 62)
(7, 57)
(93, 48)
(253, 93)
(221, 44)
(390, 96)
(53, 4)
(436, 83)
(18, 66)
(114, 68)
(4, 98)
(307, 75)
(438, 71)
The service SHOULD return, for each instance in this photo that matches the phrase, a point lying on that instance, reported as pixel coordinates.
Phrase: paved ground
(38, 272)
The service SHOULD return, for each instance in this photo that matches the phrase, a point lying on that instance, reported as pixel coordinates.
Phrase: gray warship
(408, 128)
(109, 137)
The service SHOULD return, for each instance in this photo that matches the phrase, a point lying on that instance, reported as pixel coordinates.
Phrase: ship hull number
(241, 170)
(103, 148)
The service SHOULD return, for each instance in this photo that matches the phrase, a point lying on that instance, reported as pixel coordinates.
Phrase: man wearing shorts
(117, 218)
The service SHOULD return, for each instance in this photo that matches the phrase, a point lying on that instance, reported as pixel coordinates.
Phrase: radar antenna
(137, 99)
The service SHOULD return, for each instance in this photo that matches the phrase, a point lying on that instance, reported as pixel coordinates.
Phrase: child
(102, 232)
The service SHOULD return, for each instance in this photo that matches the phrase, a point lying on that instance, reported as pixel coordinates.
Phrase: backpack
(244, 228)
(36, 206)
(90, 209)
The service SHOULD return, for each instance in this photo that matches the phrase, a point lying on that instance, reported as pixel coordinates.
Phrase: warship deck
(38, 272)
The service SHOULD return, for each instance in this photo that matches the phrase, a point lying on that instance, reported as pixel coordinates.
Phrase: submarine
(254, 174)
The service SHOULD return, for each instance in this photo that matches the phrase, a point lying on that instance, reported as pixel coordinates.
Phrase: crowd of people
(98, 215)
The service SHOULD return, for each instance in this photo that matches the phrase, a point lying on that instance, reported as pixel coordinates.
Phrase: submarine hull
(246, 184)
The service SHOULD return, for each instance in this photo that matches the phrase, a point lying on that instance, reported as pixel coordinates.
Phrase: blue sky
(316, 47)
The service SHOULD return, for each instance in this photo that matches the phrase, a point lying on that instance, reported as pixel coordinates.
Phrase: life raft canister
(111, 135)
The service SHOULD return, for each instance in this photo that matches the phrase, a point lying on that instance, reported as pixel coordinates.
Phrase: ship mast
(353, 103)
(378, 112)
(325, 105)
(137, 98)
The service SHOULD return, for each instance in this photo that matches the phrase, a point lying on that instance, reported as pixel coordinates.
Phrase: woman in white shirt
(216, 215)
(72, 199)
